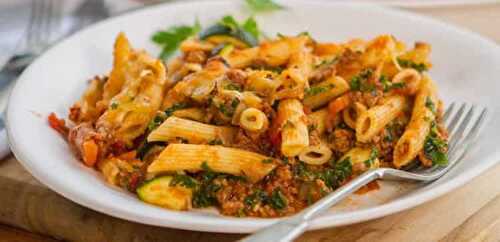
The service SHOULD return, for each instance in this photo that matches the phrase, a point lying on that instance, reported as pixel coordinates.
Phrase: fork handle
(291, 227)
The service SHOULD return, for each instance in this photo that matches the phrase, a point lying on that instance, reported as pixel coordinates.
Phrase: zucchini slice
(238, 37)
(158, 191)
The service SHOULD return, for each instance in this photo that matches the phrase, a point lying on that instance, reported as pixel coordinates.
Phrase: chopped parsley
(435, 148)
(184, 180)
(359, 82)
(170, 39)
(277, 200)
(204, 196)
(155, 122)
(430, 105)
(169, 111)
(215, 142)
(114, 105)
(372, 158)
(420, 67)
(233, 86)
(332, 176)
(388, 85)
(317, 90)
(327, 62)
(267, 161)
(256, 197)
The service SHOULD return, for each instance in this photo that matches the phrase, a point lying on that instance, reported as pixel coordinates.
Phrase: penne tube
(318, 119)
(352, 113)
(263, 82)
(192, 131)
(196, 114)
(362, 159)
(242, 58)
(182, 157)
(413, 138)
(371, 122)
(321, 93)
(253, 119)
(316, 154)
(294, 134)
(410, 78)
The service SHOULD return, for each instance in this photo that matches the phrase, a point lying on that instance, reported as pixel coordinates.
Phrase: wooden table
(470, 213)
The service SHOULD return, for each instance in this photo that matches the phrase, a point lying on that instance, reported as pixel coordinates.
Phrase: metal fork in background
(463, 130)
(45, 20)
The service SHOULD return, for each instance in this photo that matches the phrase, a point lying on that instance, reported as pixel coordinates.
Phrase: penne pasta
(352, 113)
(255, 128)
(294, 134)
(413, 138)
(371, 122)
(242, 58)
(192, 131)
(316, 154)
(318, 120)
(410, 79)
(182, 157)
(196, 114)
(253, 119)
(321, 93)
(362, 159)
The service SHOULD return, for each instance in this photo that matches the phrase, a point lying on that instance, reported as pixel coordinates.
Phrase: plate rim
(220, 223)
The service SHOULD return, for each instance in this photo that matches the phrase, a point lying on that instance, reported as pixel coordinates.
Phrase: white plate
(466, 67)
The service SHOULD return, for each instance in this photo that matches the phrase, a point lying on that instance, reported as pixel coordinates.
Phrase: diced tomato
(57, 124)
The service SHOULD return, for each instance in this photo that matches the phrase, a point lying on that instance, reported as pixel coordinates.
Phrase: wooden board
(470, 213)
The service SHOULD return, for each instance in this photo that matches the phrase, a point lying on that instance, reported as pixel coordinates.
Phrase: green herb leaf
(251, 27)
(230, 22)
(435, 148)
(267, 161)
(430, 105)
(233, 86)
(170, 39)
(263, 5)
(317, 90)
(215, 142)
(420, 67)
(371, 159)
(184, 180)
(175, 107)
(256, 197)
(388, 85)
(114, 105)
(277, 200)
(359, 82)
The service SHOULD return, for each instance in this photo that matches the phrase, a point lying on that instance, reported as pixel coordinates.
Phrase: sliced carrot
(90, 151)
(334, 107)
(339, 104)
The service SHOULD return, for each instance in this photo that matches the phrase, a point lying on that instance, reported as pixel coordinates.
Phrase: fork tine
(459, 134)
(471, 136)
(455, 120)
(448, 111)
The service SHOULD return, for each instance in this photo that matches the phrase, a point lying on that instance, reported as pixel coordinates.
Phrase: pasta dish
(256, 128)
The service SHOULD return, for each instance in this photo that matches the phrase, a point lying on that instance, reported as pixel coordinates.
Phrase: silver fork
(463, 130)
(45, 18)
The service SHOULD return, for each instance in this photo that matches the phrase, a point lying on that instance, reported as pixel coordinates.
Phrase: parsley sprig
(263, 5)
(170, 39)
